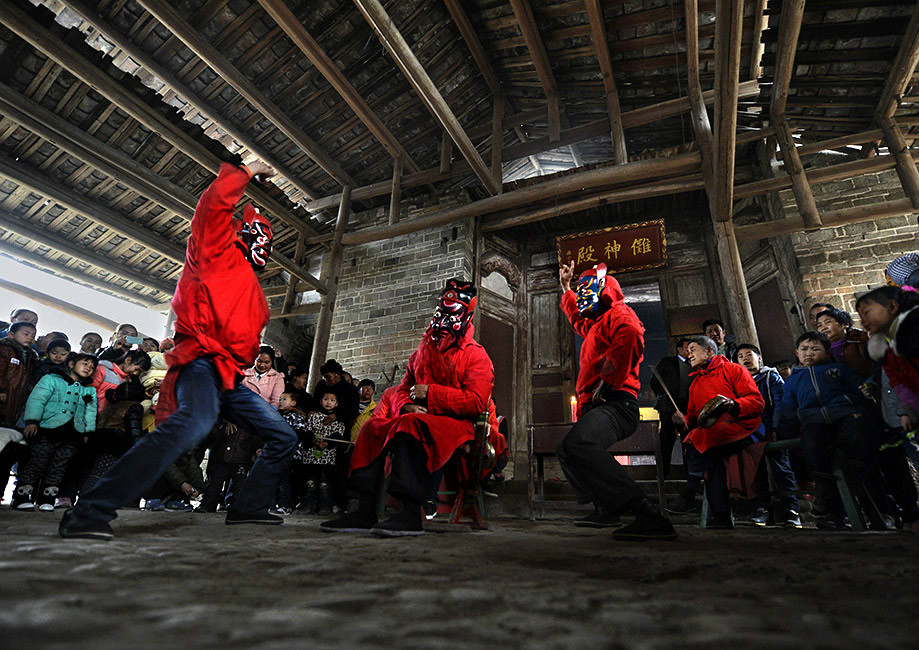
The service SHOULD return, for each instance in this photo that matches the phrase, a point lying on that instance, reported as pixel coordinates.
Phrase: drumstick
(664, 386)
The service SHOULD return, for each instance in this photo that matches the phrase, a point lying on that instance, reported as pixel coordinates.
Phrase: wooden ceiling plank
(412, 69)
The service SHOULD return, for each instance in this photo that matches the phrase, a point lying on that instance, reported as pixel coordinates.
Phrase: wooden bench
(542, 440)
(849, 501)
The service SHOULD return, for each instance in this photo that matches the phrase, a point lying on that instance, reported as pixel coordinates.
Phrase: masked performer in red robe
(447, 385)
(607, 390)
(220, 312)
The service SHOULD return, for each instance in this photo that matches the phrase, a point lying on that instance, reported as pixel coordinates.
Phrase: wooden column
(906, 168)
(497, 142)
(330, 279)
(294, 280)
(728, 32)
(804, 197)
(601, 43)
(738, 307)
(395, 196)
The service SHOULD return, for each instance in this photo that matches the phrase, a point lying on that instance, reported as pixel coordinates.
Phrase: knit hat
(331, 366)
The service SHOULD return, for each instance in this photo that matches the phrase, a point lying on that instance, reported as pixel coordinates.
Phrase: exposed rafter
(147, 62)
(297, 32)
(193, 39)
(411, 67)
(601, 44)
(728, 32)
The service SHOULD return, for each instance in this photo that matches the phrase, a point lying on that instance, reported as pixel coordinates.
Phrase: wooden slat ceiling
(843, 59)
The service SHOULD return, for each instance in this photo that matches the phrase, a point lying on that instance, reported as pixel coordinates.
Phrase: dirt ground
(188, 581)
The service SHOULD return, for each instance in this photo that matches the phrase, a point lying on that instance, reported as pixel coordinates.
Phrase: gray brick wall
(837, 263)
(387, 294)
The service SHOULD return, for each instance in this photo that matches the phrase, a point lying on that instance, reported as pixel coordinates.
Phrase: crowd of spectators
(66, 415)
(847, 388)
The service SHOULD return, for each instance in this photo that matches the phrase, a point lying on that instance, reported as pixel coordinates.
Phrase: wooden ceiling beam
(630, 119)
(63, 245)
(902, 69)
(47, 187)
(601, 44)
(302, 39)
(55, 49)
(411, 68)
(118, 165)
(474, 43)
(62, 270)
(146, 61)
(786, 48)
(197, 43)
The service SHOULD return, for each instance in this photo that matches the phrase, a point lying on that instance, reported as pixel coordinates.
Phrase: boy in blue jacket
(824, 401)
(775, 462)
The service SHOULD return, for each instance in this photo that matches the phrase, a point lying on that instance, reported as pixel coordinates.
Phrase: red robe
(459, 379)
(613, 345)
(219, 305)
(721, 377)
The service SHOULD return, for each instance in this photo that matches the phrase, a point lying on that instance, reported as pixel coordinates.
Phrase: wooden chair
(542, 440)
(460, 494)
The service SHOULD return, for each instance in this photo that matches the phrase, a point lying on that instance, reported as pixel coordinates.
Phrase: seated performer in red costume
(607, 389)
(447, 384)
(220, 312)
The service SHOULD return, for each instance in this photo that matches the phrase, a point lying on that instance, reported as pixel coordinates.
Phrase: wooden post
(756, 51)
(497, 142)
(906, 168)
(330, 278)
(738, 307)
(728, 32)
(804, 197)
(601, 44)
(294, 280)
(395, 196)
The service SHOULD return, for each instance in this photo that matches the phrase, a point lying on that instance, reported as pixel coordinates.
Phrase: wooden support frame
(124, 42)
(116, 164)
(294, 29)
(756, 51)
(601, 44)
(906, 168)
(292, 284)
(497, 141)
(203, 49)
(804, 197)
(395, 195)
(637, 117)
(414, 72)
(728, 32)
(40, 38)
(330, 274)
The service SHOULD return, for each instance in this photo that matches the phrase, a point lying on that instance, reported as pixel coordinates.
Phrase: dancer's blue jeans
(200, 402)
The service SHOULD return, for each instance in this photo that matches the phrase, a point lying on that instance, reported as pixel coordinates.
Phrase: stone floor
(188, 581)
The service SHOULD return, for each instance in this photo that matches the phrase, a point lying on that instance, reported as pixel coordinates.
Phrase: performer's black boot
(649, 524)
(359, 521)
(406, 523)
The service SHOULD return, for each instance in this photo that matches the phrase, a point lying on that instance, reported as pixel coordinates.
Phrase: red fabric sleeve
(212, 232)
(748, 397)
(569, 305)
(477, 379)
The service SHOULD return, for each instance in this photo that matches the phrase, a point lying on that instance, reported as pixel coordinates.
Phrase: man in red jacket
(220, 312)
(726, 427)
(607, 388)
(447, 385)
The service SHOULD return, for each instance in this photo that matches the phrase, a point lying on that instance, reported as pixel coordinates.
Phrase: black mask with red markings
(255, 237)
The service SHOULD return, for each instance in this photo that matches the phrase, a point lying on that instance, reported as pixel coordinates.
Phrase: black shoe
(430, 509)
(720, 521)
(760, 517)
(72, 528)
(682, 505)
(646, 527)
(356, 522)
(402, 524)
(598, 519)
(261, 518)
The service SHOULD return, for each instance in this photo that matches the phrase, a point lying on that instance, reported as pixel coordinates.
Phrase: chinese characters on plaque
(633, 247)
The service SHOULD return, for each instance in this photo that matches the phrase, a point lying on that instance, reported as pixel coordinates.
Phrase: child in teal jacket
(60, 411)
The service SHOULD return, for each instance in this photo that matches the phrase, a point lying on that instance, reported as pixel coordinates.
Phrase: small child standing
(59, 412)
(55, 357)
(289, 408)
(319, 455)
